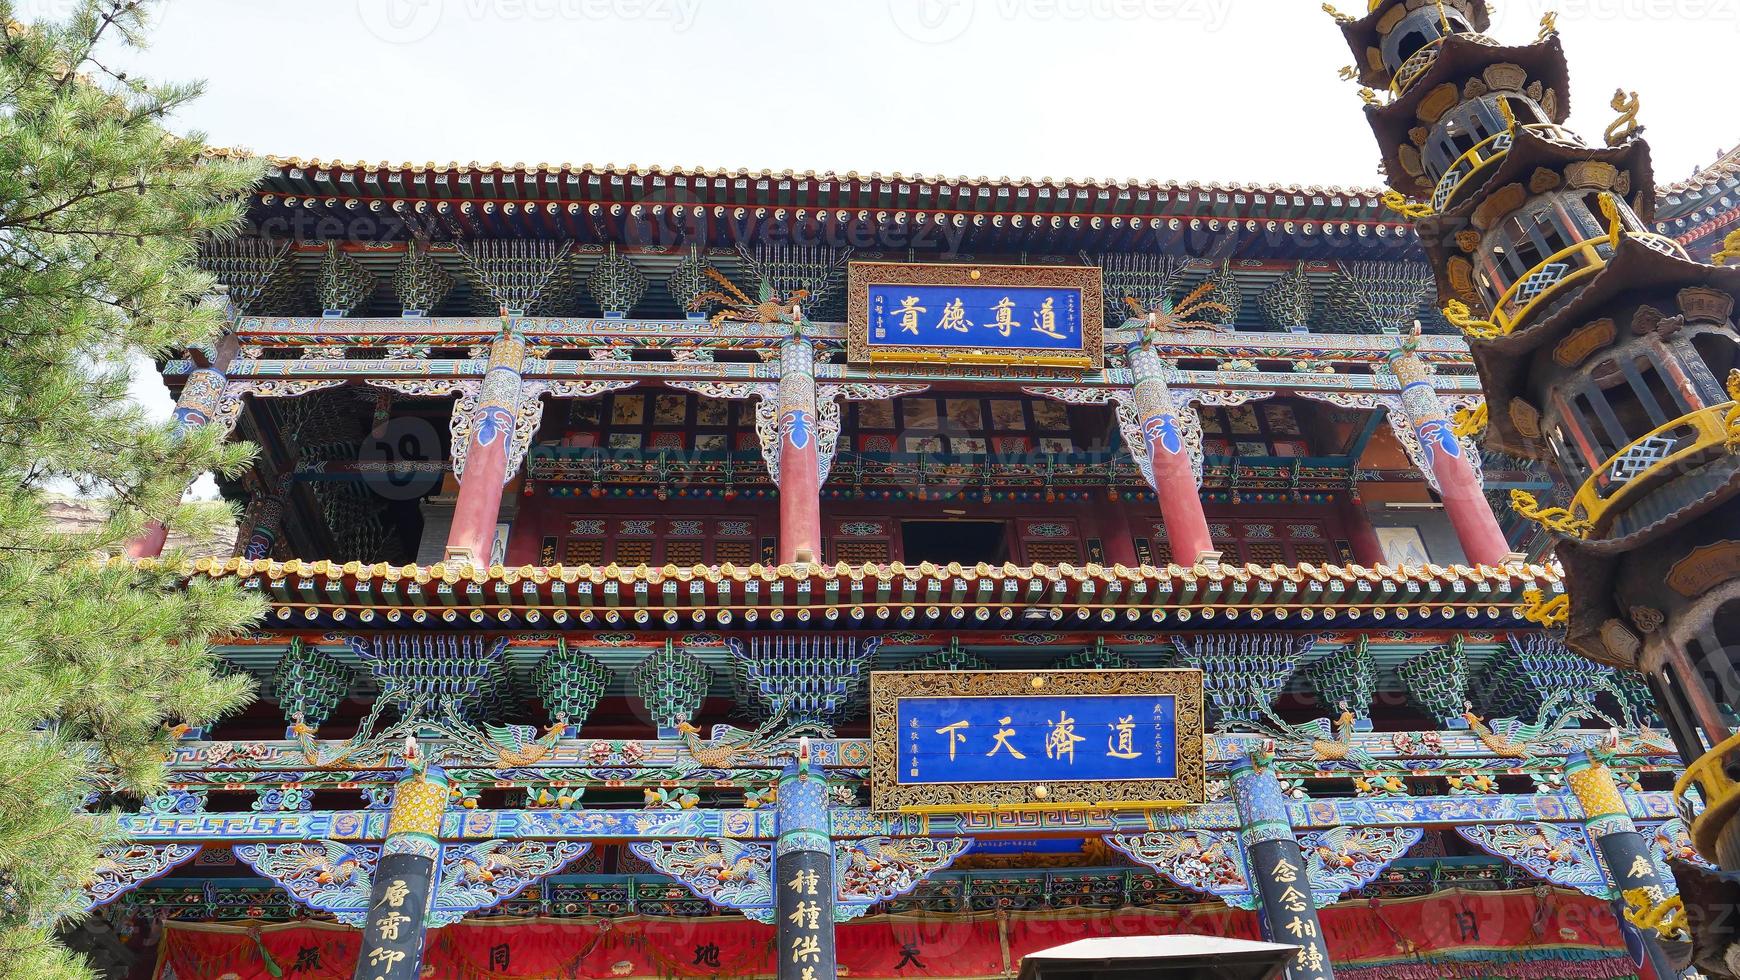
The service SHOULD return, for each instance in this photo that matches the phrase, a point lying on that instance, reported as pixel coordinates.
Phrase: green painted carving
(344, 284)
(672, 684)
(1242, 673)
(1288, 302)
(615, 284)
(245, 266)
(420, 282)
(1348, 676)
(1437, 680)
(951, 657)
(1539, 669)
(570, 682)
(689, 280)
(522, 275)
(309, 684)
(1225, 290)
(820, 679)
(1096, 657)
(1144, 277)
(1368, 297)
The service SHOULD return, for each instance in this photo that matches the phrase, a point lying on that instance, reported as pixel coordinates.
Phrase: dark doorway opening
(968, 542)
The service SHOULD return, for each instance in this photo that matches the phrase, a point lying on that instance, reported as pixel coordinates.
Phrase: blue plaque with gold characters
(976, 740)
(1030, 315)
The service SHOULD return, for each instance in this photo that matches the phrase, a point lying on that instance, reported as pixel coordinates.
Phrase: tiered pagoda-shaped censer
(1603, 348)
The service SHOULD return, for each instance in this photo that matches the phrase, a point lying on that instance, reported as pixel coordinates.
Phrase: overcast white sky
(1227, 90)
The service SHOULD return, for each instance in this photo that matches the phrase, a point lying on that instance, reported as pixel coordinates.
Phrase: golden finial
(1626, 125)
(1340, 18)
(1610, 211)
(1348, 73)
(1462, 318)
(1556, 519)
(1541, 611)
(1444, 18)
(1368, 96)
(1549, 26)
(1469, 422)
(1397, 202)
(1731, 420)
(1729, 252)
(1509, 115)
(1649, 910)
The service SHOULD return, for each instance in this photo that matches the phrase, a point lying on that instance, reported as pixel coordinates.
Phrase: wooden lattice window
(584, 551)
(692, 552)
(634, 552)
(736, 552)
(857, 551)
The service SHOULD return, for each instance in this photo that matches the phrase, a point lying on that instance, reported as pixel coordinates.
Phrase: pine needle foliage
(102, 209)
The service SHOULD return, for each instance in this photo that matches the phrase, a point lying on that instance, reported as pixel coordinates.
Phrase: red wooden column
(198, 404)
(1476, 528)
(800, 490)
(1361, 536)
(1115, 536)
(1171, 473)
(482, 471)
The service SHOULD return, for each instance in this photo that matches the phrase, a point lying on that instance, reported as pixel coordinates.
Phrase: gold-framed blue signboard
(1053, 739)
(1026, 315)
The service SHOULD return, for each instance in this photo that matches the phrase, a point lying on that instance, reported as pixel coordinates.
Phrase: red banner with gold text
(1521, 934)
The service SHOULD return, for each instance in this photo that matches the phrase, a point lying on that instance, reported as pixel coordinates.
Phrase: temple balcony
(1550, 277)
(1469, 170)
(1692, 456)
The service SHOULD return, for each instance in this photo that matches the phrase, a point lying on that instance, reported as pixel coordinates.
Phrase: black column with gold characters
(1605, 350)
(803, 865)
(392, 947)
(1277, 869)
(1624, 855)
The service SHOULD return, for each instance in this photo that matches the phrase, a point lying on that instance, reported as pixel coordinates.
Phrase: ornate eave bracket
(528, 413)
(469, 390)
(876, 869)
(1345, 859)
(738, 875)
(125, 866)
(1337, 861)
(531, 414)
(828, 416)
(766, 395)
(231, 403)
(327, 876)
(324, 875)
(1130, 423)
(485, 874)
(1402, 426)
(1559, 853)
(730, 874)
(1208, 861)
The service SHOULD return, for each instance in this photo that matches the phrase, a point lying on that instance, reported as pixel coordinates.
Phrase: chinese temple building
(619, 525)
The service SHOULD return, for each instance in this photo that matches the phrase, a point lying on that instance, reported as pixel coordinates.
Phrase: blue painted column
(398, 916)
(1277, 869)
(201, 400)
(1624, 854)
(803, 874)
